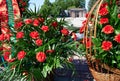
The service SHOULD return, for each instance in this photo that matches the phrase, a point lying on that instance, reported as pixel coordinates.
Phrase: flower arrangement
(102, 33)
(23, 5)
(35, 48)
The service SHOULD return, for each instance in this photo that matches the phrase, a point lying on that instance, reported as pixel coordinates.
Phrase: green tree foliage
(90, 4)
(23, 6)
(82, 3)
(46, 8)
(79, 3)
(69, 3)
(47, 2)
(55, 9)
(59, 6)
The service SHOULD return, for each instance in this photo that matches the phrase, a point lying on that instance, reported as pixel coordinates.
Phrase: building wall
(77, 12)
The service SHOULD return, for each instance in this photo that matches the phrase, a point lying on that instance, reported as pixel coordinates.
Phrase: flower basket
(33, 46)
(102, 41)
(99, 70)
(105, 76)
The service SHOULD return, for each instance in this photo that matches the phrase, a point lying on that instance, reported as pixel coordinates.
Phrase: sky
(39, 3)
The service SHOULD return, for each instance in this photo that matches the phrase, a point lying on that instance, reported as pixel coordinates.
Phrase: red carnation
(15, 11)
(1, 15)
(108, 29)
(24, 3)
(104, 5)
(4, 30)
(65, 31)
(2, 37)
(85, 40)
(22, 9)
(74, 36)
(20, 35)
(84, 22)
(88, 14)
(34, 34)
(19, 24)
(117, 2)
(1, 48)
(41, 56)
(38, 42)
(103, 11)
(106, 45)
(6, 57)
(119, 16)
(49, 51)
(45, 28)
(21, 55)
(104, 20)
(117, 38)
(7, 53)
(6, 47)
(28, 21)
(54, 24)
(7, 36)
(36, 22)
(41, 20)
(82, 29)
(88, 44)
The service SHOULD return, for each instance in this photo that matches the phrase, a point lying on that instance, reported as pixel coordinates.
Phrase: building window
(76, 13)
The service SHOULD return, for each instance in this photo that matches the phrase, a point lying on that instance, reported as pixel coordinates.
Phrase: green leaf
(114, 14)
(36, 73)
(100, 50)
(118, 65)
(41, 47)
(113, 61)
(104, 55)
(12, 75)
(118, 58)
(117, 31)
(118, 52)
(47, 69)
(117, 21)
(58, 63)
(44, 73)
(96, 42)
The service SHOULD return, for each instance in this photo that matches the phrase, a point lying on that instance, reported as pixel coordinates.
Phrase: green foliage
(55, 8)
(29, 68)
(111, 56)
(23, 5)
(90, 4)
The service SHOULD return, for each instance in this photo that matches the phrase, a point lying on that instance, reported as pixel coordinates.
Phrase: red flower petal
(106, 45)
(21, 55)
(41, 56)
(108, 29)
(117, 38)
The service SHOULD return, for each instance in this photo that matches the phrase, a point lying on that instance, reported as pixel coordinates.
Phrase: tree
(46, 8)
(77, 3)
(56, 8)
(62, 4)
(47, 2)
(69, 3)
(81, 3)
(90, 4)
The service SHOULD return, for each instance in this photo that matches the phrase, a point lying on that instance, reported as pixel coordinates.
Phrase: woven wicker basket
(98, 76)
(100, 71)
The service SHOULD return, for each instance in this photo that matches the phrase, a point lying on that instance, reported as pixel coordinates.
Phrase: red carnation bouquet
(102, 33)
(38, 45)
